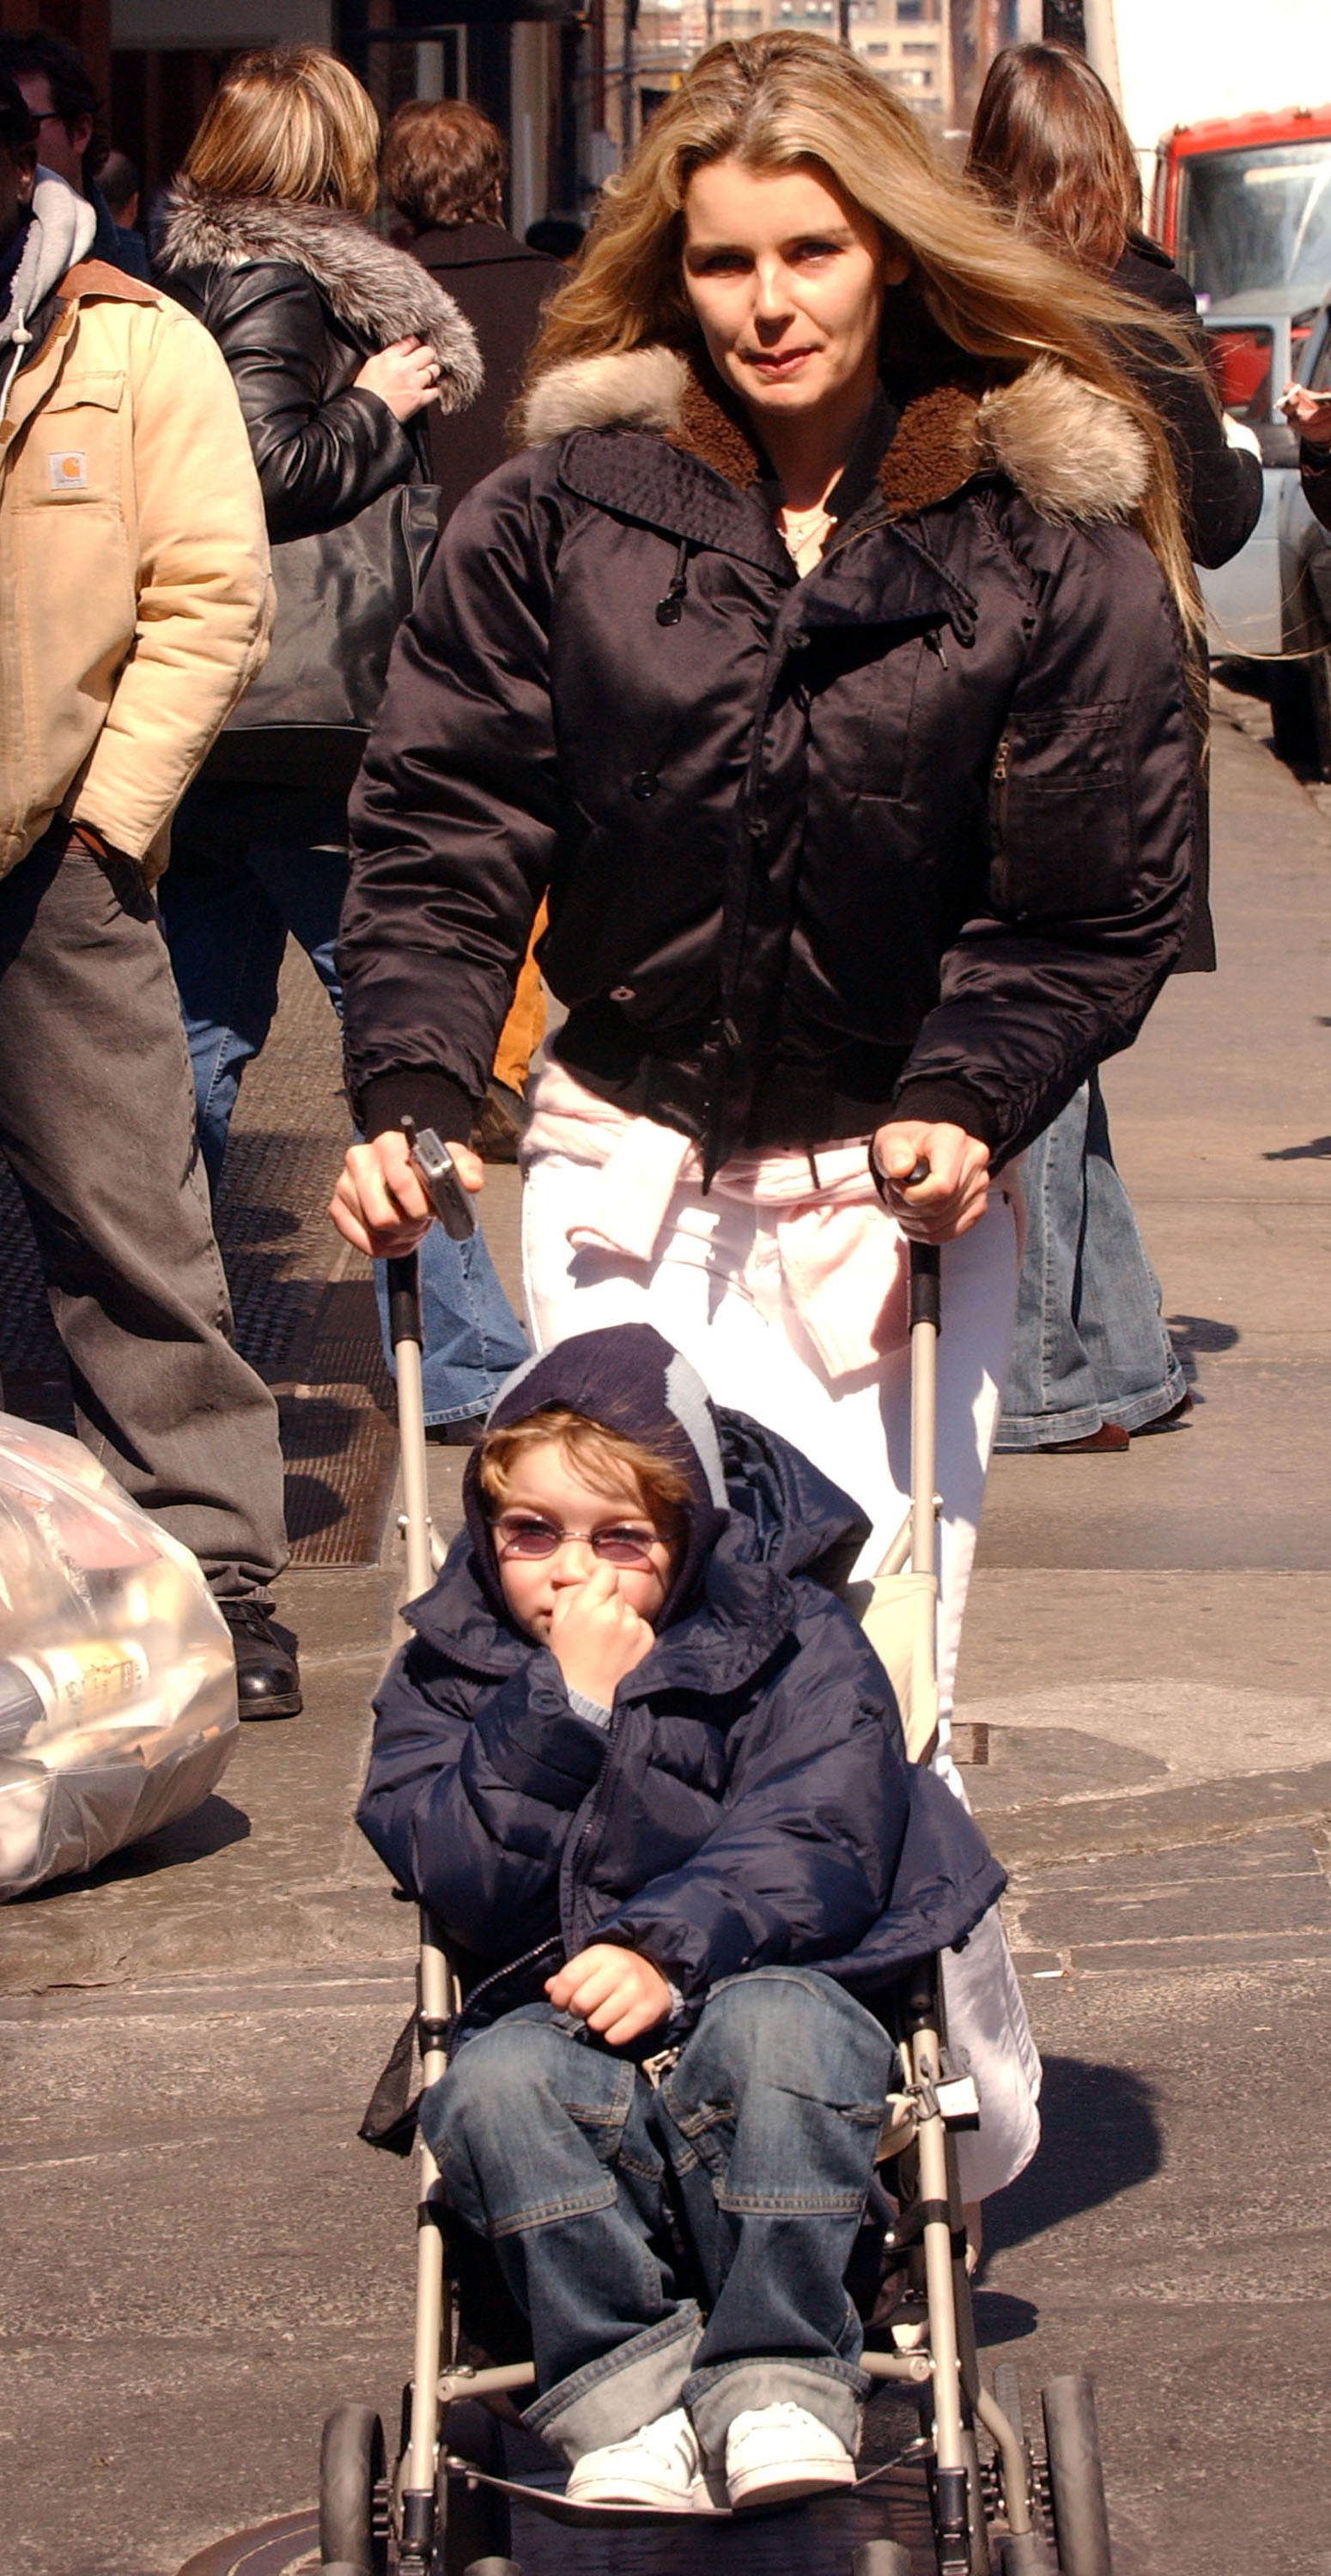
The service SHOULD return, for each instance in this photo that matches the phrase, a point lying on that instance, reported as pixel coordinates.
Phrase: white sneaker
(775, 2453)
(658, 2467)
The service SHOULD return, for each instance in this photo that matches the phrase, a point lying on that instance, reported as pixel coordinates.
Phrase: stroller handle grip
(404, 1298)
(925, 1301)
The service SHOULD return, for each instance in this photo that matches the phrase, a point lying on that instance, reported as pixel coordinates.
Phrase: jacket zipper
(998, 798)
(510, 1968)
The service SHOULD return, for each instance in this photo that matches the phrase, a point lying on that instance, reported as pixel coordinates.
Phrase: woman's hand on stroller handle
(953, 1192)
(379, 1205)
(615, 1992)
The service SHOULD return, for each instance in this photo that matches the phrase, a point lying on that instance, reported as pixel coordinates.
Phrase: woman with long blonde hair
(820, 654)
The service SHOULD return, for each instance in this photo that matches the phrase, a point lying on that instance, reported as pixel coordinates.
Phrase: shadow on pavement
(1100, 2137)
(210, 1829)
(1317, 1150)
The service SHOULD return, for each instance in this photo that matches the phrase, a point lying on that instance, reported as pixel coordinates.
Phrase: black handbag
(341, 597)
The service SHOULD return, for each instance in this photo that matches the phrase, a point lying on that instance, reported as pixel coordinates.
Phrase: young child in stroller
(647, 1776)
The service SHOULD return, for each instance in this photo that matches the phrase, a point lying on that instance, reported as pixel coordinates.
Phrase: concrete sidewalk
(202, 2256)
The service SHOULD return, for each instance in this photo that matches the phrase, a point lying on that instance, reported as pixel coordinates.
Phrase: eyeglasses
(530, 1539)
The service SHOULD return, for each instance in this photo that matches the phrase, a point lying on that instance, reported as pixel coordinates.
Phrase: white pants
(713, 1290)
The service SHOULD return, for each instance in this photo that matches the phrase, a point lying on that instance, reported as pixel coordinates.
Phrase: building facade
(570, 82)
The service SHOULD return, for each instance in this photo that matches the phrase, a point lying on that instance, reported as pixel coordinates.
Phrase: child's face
(546, 1491)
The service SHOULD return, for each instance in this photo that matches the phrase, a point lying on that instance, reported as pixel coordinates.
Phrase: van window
(1256, 219)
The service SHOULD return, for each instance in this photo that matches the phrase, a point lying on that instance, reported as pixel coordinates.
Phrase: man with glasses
(66, 111)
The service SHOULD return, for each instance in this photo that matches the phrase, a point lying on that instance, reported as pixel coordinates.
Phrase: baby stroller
(997, 2500)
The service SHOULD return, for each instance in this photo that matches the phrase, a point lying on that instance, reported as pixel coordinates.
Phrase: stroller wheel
(1076, 2479)
(353, 2499)
(471, 2522)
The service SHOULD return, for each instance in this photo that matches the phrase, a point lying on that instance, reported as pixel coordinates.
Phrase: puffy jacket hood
(775, 1509)
(380, 293)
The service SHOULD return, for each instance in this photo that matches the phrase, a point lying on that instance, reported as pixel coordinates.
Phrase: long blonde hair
(775, 100)
(290, 121)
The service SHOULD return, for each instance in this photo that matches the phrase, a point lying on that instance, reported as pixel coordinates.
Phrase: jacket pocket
(1061, 823)
(892, 716)
(72, 446)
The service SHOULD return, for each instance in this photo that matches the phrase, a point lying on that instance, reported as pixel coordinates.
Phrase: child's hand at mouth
(596, 1636)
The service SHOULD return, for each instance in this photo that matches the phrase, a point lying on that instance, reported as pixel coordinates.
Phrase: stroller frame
(1016, 2490)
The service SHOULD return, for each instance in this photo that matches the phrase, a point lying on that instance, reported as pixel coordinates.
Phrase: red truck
(1243, 204)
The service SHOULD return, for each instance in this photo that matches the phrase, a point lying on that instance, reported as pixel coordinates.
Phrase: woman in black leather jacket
(821, 658)
(1092, 1363)
(338, 345)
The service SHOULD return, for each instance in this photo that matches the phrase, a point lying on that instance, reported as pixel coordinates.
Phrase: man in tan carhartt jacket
(135, 606)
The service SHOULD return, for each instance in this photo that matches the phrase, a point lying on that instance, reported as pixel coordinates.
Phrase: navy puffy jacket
(751, 1804)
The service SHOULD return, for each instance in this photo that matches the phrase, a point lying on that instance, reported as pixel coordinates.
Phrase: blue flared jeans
(557, 2149)
(1089, 1345)
(251, 867)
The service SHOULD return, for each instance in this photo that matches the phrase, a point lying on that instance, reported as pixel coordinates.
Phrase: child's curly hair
(606, 1460)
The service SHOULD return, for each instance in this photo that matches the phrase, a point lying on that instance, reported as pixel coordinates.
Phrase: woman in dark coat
(1091, 1361)
(808, 659)
(339, 347)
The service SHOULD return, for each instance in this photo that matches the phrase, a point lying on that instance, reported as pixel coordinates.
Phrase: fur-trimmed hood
(380, 293)
(1075, 454)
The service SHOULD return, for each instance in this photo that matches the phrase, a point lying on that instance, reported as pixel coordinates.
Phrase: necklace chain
(802, 521)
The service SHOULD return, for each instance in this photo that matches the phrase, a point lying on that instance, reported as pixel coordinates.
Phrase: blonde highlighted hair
(607, 1460)
(290, 121)
(776, 101)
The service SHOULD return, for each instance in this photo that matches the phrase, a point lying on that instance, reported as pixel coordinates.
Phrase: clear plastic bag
(117, 1677)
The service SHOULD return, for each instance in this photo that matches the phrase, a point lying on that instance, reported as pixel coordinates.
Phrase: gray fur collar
(1075, 454)
(380, 293)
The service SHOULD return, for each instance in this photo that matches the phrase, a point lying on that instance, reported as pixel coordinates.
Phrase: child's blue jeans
(556, 2148)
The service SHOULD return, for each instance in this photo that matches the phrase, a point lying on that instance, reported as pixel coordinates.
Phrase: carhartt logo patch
(69, 470)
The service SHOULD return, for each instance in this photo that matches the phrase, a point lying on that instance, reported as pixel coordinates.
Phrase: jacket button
(645, 785)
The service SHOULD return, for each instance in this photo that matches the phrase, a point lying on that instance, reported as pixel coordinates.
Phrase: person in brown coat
(443, 168)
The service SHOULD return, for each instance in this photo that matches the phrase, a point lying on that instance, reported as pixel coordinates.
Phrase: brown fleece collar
(936, 449)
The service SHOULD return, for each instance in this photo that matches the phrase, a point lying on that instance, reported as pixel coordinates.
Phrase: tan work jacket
(135, 596)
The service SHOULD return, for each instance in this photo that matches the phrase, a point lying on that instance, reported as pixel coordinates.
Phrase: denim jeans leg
(775, 2107)
(1051, 1392)
(472, 1338)
(544, 2147)
(226, 940)
(1138, 1375)
(251, 866)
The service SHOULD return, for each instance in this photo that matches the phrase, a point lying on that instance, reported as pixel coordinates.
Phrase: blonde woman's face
(786, 278)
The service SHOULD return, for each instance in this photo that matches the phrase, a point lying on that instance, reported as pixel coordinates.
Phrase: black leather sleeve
(1093, 822)
(321, 457)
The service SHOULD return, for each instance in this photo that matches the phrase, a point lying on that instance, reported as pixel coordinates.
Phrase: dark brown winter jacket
(911, 834)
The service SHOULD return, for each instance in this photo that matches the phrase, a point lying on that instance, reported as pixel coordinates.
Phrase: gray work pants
(97, 1125)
